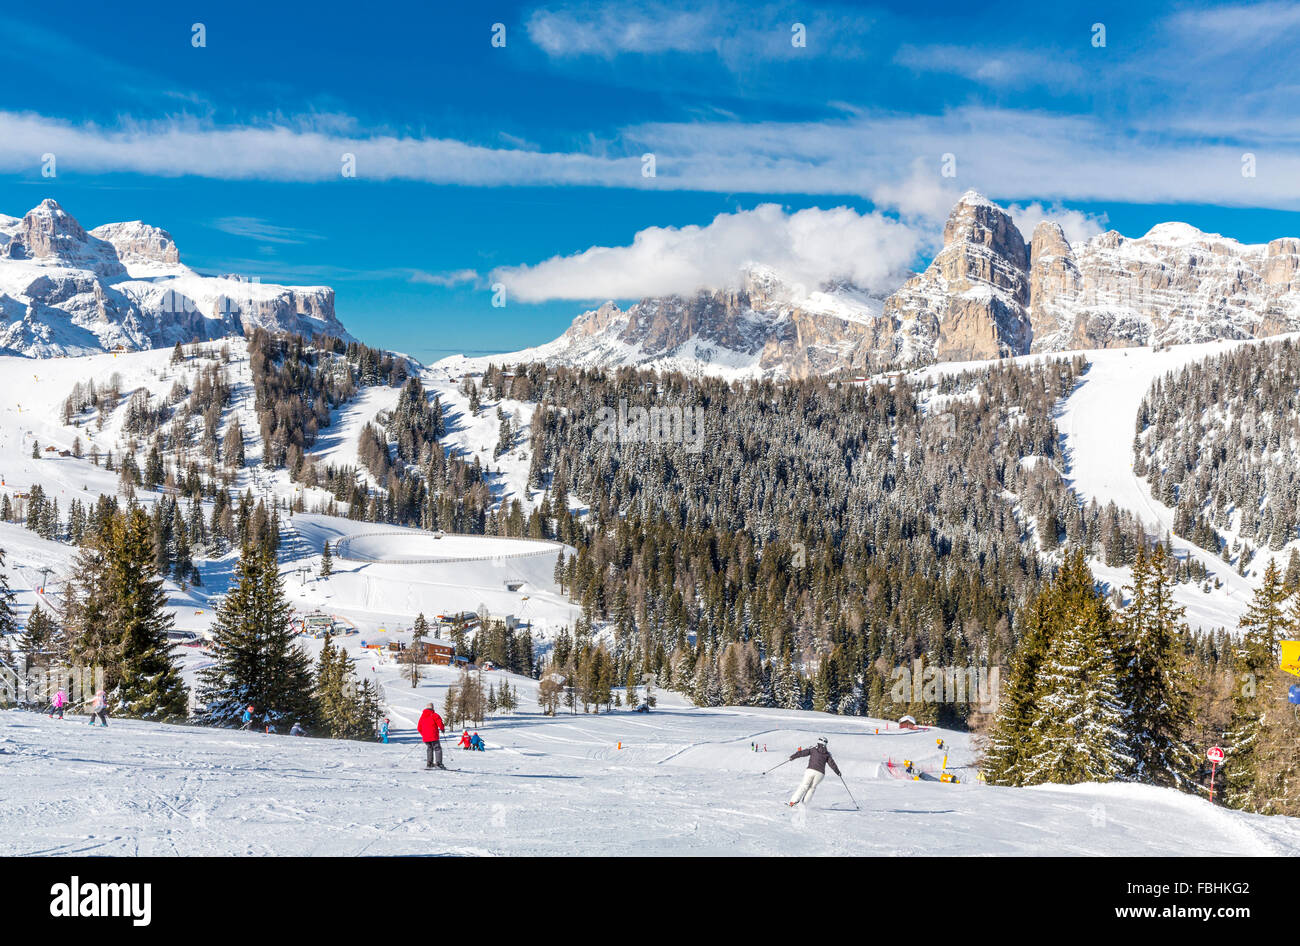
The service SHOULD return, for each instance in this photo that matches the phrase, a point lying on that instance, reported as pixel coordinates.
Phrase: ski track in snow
(685, 782)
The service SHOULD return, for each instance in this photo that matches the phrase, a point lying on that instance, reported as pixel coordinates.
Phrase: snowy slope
(1097, 424)
(685, 782)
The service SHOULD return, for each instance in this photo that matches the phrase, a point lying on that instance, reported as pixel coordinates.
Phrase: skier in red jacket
(430, 725)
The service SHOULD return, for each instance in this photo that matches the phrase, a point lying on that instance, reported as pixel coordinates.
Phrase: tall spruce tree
(1153, 680)
(255, 657)
(8, 620)
(91, 641)
(1002, 763)
(149, 685)
(343, 709)
(40, 640)
(1255, 664)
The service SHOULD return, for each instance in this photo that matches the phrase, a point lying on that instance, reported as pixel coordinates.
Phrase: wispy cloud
(894, 160)
(447, 280)
(737, 34)
(297, 150)
(255, 228)
(31, 50)
(994, 67)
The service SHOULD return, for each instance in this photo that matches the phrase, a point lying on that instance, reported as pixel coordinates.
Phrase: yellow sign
(1291, 657)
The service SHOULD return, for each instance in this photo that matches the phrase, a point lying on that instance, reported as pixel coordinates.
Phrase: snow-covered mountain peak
(1175, 232)
(66, 291)
(137, 242)
(48, 235)
(973, 198)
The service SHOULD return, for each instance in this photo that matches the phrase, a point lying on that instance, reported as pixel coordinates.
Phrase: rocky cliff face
(1175, 285)
(137, 242)
(970, 303)
(762, 327)
(66, 291)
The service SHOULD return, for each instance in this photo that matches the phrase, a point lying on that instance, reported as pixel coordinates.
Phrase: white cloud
(1077, 225)
(891, 159)
(810, 246)
(446, 280)
(305, 149)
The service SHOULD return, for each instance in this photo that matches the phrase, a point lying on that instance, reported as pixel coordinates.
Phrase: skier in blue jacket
(383, 731)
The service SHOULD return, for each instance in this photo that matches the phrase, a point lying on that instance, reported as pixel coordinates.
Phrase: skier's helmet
(821, 741)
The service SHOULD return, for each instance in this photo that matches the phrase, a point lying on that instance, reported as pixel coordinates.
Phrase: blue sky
(523, 164)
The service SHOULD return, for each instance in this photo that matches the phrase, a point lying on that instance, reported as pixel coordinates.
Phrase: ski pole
(405, 755)
(777, 766)
(846, 788)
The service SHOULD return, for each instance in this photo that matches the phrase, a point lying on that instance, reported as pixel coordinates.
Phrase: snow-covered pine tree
(40, 640)
(8, 620)
(255, 657)
(1003, 763)
(1255, 663)
(1079, 730)
(91, 642)
(326, 561)
(344, 708)
(1065, 619)
(1153, 679)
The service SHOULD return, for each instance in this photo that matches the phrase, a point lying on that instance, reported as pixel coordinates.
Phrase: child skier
(383, 731)
(818, 758)
(477, 743)
(430, 725)
(297, 730)
(99, 709)
(60, 701)
(464, 740)
(247, 718)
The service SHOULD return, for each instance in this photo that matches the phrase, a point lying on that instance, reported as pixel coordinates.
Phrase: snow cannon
(1290, 661)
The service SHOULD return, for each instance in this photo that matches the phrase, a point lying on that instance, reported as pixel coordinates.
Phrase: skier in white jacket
(818, 758)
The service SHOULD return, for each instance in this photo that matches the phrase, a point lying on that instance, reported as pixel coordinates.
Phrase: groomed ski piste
(684, 782)
(1097, 423)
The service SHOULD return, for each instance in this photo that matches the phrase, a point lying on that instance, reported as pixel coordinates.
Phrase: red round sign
(1215, 754)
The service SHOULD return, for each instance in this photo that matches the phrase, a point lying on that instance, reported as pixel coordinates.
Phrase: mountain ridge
(988, 293)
